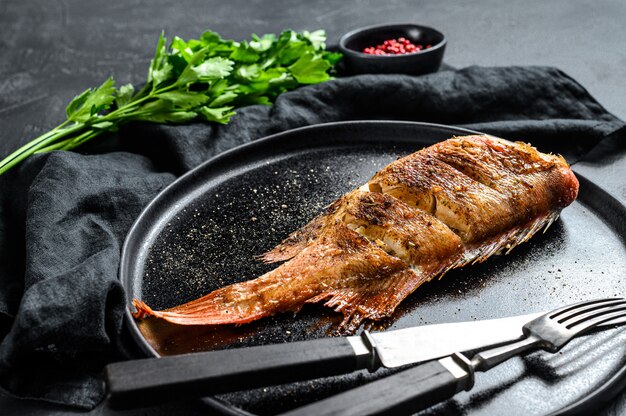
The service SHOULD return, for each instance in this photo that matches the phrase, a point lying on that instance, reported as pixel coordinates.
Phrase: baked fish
(454, 203)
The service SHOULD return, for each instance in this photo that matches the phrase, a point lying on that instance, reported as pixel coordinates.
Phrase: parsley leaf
(184, 99)
(213, 68)
(220, 115)
(91, 102)
(310, 69)
(205, 79)
(124, 95)
(316, 38)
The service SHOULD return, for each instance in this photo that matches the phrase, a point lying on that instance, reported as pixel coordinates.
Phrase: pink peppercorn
(398, 46)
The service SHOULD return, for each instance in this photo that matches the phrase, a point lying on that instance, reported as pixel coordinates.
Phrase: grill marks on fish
(412, 235)
(454, 203)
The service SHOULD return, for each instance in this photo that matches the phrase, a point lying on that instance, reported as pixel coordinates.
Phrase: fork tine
(588, 309)
(568, 308)
(585, 324)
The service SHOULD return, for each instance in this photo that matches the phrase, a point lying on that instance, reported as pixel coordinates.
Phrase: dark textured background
(51, 50)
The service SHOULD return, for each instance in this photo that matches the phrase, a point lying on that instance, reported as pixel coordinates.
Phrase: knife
(414, 389)
(149, 381)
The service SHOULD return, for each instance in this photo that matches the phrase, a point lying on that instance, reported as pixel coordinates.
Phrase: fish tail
(142, 309)
(283, 289)
(353, 289)
(234, 304)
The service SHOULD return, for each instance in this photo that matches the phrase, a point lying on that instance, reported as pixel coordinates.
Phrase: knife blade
(428, 342)
(149, 381)
(418, 387)
(424, 343)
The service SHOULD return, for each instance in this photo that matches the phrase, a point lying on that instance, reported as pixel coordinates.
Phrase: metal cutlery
(149, 381)
(422, 386)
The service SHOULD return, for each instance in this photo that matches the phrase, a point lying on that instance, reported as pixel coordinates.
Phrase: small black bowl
(357, 62)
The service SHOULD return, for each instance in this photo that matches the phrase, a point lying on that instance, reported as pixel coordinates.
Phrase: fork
(422, 386)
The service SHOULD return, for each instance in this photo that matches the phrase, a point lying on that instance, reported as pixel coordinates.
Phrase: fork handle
(488, 359)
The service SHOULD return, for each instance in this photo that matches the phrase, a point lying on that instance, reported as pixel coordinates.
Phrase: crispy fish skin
(456, 202)
(480, 186)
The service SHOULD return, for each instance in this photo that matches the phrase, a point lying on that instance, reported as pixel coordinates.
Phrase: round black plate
(206, 229)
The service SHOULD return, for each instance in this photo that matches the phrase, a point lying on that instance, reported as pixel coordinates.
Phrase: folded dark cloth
(64, 215)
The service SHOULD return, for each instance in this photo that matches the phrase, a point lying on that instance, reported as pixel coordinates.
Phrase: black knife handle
(403, 393)
(150, 381)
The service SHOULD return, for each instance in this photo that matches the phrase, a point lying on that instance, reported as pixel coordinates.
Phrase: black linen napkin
(64, 215)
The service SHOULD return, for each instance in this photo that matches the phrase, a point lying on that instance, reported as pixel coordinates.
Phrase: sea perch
(454, 203)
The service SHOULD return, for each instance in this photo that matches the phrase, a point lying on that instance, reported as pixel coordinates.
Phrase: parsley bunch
(202, 79)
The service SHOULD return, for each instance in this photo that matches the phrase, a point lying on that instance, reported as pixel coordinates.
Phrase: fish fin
(289, 285)
(300, 239)
(504, 243)
(371, 301)
(295, 242)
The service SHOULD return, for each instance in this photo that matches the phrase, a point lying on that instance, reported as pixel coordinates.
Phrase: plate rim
(608, 388)
(125, 257)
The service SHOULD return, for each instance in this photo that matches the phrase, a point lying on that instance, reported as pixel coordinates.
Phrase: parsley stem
(77, 141)
(71, 142)
(40, 142)
(203, 79)
(130, 109)
(117, 116)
